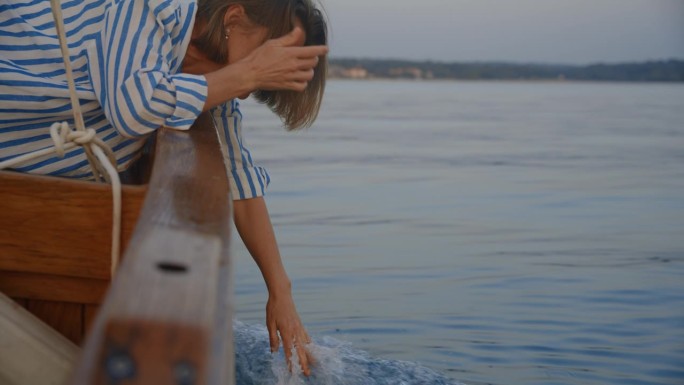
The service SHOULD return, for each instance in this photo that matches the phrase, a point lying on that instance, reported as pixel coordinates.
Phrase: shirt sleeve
(141, 89)
(246, 180)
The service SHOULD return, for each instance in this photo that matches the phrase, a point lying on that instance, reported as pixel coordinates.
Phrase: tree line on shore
(650, 71)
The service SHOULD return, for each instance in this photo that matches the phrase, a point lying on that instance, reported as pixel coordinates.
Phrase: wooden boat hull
(55, 238)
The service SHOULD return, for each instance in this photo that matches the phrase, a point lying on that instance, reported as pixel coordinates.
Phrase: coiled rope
(100, 157)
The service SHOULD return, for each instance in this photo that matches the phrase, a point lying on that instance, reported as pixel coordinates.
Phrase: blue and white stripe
(126, 56)
(246, 179)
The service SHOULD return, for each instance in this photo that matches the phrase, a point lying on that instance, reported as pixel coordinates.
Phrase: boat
(164, 317)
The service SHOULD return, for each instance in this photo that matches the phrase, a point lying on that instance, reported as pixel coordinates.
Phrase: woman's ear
(235, 15)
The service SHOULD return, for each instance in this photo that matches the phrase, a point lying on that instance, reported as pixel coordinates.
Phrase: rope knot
(62, 135)
(81, 137)
(59, 133)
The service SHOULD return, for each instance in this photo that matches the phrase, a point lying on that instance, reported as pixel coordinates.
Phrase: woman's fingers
(303, 358)
(273, 336)
(309, 51)
(300, 348)
(294, 37)
(295, 40)
(297, 340)
(309, 63)
(298, 81)
(287, 348)
(303, 75)
(296, 86)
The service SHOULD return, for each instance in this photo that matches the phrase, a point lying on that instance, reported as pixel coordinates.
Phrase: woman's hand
(282, 318)
(284, 63)
(278, 64)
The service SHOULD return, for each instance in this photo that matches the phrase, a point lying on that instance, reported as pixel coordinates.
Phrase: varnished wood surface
(53, 287)
(67, 318)
(89, 314)
(55, 240)
(60, 226)
(176, 269)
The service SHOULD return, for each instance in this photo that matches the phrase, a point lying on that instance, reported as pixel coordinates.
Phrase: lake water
(494, 232)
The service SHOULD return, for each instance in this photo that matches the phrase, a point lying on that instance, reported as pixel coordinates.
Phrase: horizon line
(513, 62)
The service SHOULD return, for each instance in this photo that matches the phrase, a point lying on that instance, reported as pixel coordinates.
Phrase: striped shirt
(126, 57)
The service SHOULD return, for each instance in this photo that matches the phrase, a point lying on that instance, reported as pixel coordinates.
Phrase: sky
(539, 31)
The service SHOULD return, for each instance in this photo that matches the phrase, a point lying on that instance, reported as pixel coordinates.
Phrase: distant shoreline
(511, 81)
(664, 71)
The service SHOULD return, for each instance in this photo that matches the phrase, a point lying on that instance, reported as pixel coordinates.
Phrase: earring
(227, 34)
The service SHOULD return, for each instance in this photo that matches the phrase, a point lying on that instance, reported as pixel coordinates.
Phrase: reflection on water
(499, 233)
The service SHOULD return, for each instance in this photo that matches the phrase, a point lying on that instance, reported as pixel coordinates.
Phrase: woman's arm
(254, 225)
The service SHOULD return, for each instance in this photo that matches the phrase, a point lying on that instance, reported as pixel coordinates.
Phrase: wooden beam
(30, 351)
(167, 314)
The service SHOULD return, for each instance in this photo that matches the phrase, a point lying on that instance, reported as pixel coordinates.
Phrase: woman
(141, 65)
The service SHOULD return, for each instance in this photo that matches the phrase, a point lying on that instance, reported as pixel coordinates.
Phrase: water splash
(337, 364)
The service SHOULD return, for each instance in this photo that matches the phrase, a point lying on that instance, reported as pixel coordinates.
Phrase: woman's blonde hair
(296, 109)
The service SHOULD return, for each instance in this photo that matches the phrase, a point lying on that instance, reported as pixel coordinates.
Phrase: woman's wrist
(279, 288)
(247, 75)
(229, 83)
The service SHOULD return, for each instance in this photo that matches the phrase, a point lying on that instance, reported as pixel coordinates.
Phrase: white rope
(100, 157)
